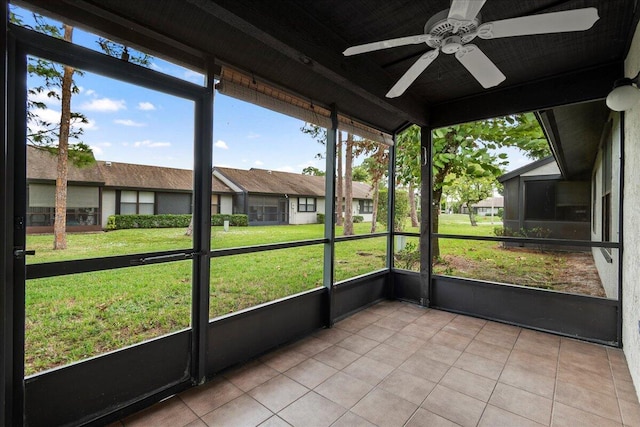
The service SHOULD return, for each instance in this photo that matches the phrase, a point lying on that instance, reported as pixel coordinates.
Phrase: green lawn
(73, 317)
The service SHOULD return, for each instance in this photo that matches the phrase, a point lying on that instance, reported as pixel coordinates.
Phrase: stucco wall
(296, 217)
(631, 224)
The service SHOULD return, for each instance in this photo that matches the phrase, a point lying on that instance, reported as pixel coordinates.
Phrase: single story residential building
(486, 207)
(537, 195)
(273, 197)
(113, 188)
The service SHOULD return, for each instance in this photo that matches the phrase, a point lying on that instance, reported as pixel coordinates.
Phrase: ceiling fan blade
(554, 22)
(412, 73)
(386, 44)
(480, 66)
(465, 10)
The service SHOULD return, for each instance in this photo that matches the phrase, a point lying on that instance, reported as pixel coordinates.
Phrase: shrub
(238, 220)
(357, 219)
(121, 222)
(409, 257)
(320, 218)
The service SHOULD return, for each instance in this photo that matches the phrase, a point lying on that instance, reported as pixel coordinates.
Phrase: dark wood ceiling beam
(110, 25)
(296, 47)
(580, 86)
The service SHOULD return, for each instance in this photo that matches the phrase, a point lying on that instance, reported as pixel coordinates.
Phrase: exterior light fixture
(625, 94)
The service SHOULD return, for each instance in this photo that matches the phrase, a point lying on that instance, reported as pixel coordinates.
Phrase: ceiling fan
(451, 31)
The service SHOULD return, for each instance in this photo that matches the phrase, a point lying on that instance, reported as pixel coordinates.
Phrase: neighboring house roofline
(526, 168)
(228, 182)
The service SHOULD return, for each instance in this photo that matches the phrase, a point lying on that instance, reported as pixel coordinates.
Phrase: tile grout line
(498, 379)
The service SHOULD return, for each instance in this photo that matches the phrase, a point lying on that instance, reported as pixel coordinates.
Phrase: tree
(408, 156)
(320, 134)
(313, 171)
(470, 149)
(360, 173)
(348, 187)
(400, 209)
(469, 191)
(58, 84)
(355, 147)
(376, 167)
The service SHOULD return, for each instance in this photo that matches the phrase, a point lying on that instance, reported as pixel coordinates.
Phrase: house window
(366, 206)
(550, 200)
(82, 205)
(215, 204)
(137, 202)
(540, 200)
(306, 204)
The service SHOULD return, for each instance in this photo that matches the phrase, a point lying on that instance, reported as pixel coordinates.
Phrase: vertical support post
(621, 227)
(6, 255)
(391, 199)
(426, 203)
(330, 212)
(14, 191)
(203, 153)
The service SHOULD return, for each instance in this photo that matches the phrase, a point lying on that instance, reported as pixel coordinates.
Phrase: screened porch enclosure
(204, 341)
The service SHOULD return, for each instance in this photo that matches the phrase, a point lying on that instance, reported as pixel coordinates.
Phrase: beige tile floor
(398, 364)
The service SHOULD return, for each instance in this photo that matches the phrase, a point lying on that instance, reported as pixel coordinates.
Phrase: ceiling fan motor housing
(442, 29)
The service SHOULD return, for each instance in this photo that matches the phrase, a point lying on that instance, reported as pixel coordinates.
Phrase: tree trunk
(189, 231)
(339, 182)
(60, 221)
(435, 224)
(374, 214)
(413, 213)
(472, 217)
(348, 187)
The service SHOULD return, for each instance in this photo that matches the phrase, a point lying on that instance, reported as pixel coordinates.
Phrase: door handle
(21, 253)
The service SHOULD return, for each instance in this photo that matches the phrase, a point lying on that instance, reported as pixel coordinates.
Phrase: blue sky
(136, 125)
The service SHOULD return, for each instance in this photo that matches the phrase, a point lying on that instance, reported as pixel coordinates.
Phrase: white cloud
(253, 135)
(48, 115)
(128, 122)
(258, 163)
(285, 169)
(221, 144)
(45, 98)
(151, 144)
(90, 92)
(146, 106)
(105, 105)
(97, 150)
(90, 125)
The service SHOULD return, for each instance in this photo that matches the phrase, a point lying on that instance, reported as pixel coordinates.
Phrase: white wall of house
(108, 205)
(631, 224)
(297, 218)
(226, 204)
(607, 260)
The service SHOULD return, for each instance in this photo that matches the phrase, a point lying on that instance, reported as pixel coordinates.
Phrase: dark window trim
(304, 207)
